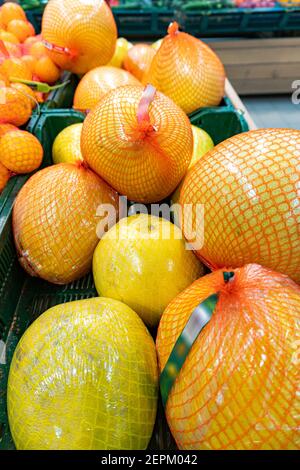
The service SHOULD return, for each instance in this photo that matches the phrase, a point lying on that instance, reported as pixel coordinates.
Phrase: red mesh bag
(79, 35)
(188, 71)
(139, 141)
(249, 186)
(139, 59)
(97, 82)
(238, 386)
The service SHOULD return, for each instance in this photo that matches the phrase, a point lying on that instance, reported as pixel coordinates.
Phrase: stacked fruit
(86, 370)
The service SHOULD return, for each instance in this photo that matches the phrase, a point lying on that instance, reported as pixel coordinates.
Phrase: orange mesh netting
(79, 34)
(97, 82)
(54, 221)
(238, 386)
(139, 141)
(249, 186)
(15, 107)
(139, 59)
(188, 71)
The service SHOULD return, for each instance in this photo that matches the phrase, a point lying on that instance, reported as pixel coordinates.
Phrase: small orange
(4, 128)
(21, 29)
(27, 91)
(9, 37)
(11, 11)
(4, 82)
(38, 49)
(46, 70)
(4, 177)
(14, 67)
(30, 61)
(14, 50)
(20, 151)
(15, 108)
(29, 42)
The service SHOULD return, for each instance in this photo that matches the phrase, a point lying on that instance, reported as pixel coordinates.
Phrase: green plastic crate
(63, 97)
(22, 298)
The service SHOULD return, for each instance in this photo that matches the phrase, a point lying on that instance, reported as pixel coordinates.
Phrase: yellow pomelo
(66, 147)
(122, 47)
(84, 376)
(143, 262)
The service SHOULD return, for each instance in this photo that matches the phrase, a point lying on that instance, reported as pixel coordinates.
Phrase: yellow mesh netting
(143, 159)
(188, 71)
(249, 186)
(238, 386)
(97, 82)
(86, 29)
(54, 221)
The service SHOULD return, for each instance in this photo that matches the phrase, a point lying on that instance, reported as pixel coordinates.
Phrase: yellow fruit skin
(122, 47)
(143, 262)
(55, 221)
(4, 177)
(84, 377)
(20, 151)
(66, 146)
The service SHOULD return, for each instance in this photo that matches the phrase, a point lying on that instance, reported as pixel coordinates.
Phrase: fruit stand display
(121, 329)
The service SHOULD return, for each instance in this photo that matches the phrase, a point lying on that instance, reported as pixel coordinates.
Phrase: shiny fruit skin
(55, 221)
(145, 164)
(66, 146)
(97, 82)
(249, 185)
(15, 107)
(4, 128)
(6, 36)
(37, 49)
(21, 29)
(143, 262)
(122, 47)
(87, 29)
(15, 68)
(11, 11)
(80, 367)
(4, 176)
(237, 389)
(46, 70)
(20, 151)
(30, 61)
(27, 91)
(138, 60)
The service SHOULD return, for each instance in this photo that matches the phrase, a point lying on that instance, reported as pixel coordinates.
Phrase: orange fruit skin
(4, 82)
(11, 11)
(88, 29)
(14, 50)
(27, 91)
(15, 107)
(15, 68)
(55, 221)
(9, 37)
(144, 163)
(37, 49)
(249, 185)
(4, 128)
(97, 82)
(21, 29)
(188, 71)
(20, 151)
(30, 61)
(139, 59)
(4, 176)
(29, 42)
(237, 389)
(46, 70)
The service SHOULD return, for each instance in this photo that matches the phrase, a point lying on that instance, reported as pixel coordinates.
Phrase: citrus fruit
(11, 11)
(37, 50)
(15, 107)
(29, 42)
(27, 91)
(138, 60)
(30, 62)
(46, 70)
(55, 221)
(15, 68)
(79, 35)
(66, 146)
(4, 128)
(14, 50)
(4, 82)
(249, 186)
(9, 37)
(122, 47)
(156, 45)
(21, 29)
(86, 372)
(143, 261)
(20, 151)
(188, 71)
(139, 142)
(238, 386)
(97, 82)
(4, 176)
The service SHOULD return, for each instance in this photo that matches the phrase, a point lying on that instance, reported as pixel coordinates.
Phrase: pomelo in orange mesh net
(187, 70)
(139, 141)
(237, 388)
(55, 221)
(138, 60)
(97, 82)
(249, 186)
(79, 34)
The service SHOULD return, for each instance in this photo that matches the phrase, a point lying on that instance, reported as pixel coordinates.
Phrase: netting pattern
(250, 189)
(20, 151)
(55, 221)
(4, 176)
(188, 71)
(15, 107)
(84, 376)
(97, 82)
(143, 163)
(238, 387)
(87, 28)
(139, 59)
